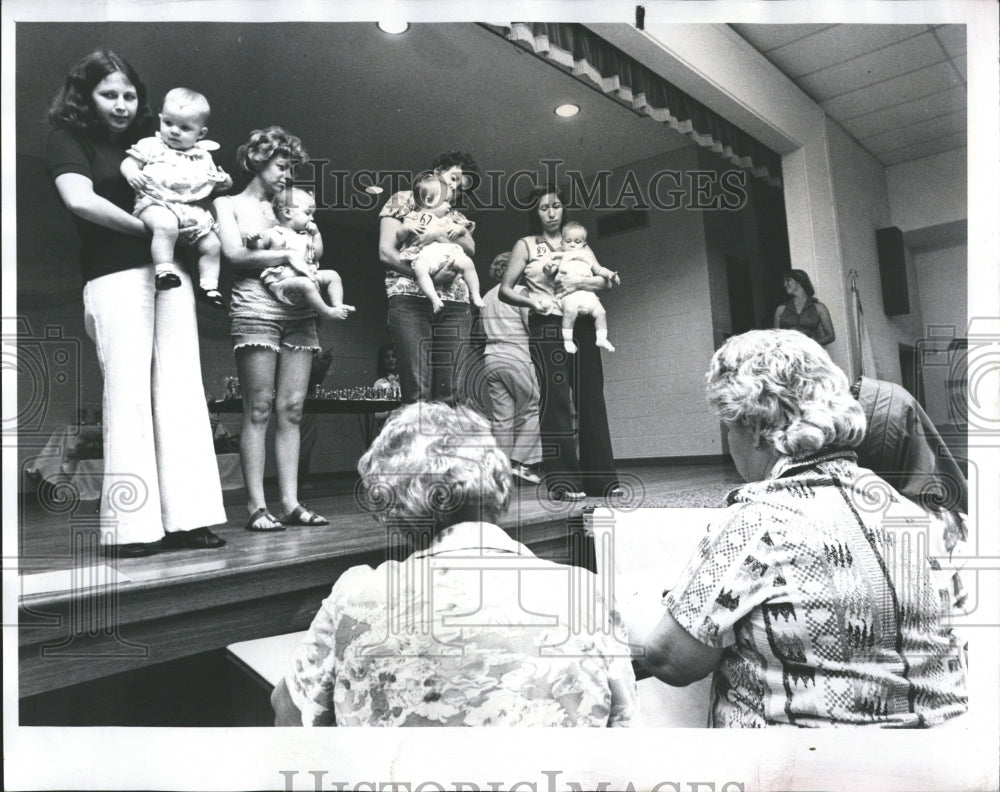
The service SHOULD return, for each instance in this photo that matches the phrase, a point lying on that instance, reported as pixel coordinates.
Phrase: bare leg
(601, 325)
(422, 274)
(294, 366)
(256, 366)
(209, 251)
(301, 289)
(330, 281)
(163, 224)
(568, 321)
(467, 268)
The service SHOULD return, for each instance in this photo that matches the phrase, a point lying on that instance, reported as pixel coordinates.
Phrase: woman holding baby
(569, 382)
(274, 341)
(429, 344)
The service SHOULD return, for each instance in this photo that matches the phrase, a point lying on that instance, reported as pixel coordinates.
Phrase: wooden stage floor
(82, 618)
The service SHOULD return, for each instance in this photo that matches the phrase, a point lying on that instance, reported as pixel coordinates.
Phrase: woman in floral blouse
(472, 629)
(814, 599)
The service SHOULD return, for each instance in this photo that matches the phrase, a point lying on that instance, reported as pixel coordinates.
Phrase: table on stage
(365, 409)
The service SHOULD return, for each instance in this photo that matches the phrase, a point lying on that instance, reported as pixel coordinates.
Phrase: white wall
(944, 306)
(660, 320)
(862, 206)
(928, 191)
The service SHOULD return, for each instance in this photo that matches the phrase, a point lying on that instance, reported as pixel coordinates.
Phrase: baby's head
(574, 236)
(293, 208)
(183, 118)
(430, 194)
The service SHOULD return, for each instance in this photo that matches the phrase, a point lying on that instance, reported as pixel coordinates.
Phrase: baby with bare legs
(300, 281)
(576, 258)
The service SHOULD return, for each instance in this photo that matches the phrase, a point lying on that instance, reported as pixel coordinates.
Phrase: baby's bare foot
(339, 312)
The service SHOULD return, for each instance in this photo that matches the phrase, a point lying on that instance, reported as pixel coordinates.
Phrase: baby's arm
(131, 169)
(596, 269)
(268, 239)
(317, 240)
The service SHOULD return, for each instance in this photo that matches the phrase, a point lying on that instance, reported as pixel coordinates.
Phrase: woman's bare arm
(77, 193)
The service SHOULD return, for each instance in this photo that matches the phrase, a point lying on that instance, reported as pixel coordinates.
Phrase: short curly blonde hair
(784, 384)
(266, 144)
(435, 465)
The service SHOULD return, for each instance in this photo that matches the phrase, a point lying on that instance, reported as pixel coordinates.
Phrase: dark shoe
(254, 523)
(211, 297)
(567, 495)
(167, 280)
(131, 550)
(198, 539)
(300, 515)
(525, 473)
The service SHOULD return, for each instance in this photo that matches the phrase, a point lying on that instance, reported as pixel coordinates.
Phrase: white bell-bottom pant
(160, 471)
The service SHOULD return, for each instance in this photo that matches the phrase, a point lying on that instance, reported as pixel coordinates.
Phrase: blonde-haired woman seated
(471, 629)
(809, 604)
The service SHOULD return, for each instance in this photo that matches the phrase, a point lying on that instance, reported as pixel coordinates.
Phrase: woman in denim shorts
(274, 343)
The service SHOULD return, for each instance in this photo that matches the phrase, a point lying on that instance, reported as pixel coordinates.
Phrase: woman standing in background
(803, 312)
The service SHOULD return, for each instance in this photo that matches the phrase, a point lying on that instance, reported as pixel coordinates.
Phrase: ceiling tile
(907, 113)
(952, 124)
(874, 67)
(923, 150)
(929, 80)
(768, 37)
(836, 44)
(953, 38)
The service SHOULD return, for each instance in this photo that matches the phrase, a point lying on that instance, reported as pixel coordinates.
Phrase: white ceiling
(898, 90)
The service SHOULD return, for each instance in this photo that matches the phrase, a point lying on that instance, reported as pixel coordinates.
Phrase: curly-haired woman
(452, 635)
(274, 342)
(805, 599)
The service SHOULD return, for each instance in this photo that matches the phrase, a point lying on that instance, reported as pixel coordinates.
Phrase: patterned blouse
(399, 206)
(475, 631)
(829, 611)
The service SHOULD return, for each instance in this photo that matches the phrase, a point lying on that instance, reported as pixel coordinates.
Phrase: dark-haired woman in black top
(161, 481)
(803, 312)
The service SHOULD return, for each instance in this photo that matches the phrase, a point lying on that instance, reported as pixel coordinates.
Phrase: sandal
(253, 524)
(167, 280)
(300, 515)
(212, 297)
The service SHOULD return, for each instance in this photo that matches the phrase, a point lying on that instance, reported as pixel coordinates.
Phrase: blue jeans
(430, 347)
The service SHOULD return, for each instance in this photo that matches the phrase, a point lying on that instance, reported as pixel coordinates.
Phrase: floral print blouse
(399, 206)
(474, 631)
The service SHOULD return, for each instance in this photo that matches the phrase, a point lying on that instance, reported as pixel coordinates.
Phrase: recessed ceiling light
(393, 26)
(567, 110)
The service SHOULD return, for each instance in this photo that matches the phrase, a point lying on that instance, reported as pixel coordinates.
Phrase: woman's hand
(541, 304)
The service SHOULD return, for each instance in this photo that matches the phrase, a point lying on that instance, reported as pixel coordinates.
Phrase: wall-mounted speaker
(892, 268)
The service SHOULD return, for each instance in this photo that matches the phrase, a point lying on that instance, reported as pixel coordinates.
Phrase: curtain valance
(588, 57)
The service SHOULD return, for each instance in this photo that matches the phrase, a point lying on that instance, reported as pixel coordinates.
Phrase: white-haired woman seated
(809, 604)
(471, 629)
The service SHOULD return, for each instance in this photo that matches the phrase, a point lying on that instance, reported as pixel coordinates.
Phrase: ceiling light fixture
(393, 26)
(567, 110)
